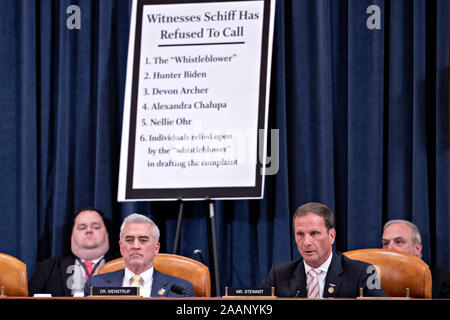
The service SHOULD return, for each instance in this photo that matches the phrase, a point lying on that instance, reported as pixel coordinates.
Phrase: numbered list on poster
(198, 95)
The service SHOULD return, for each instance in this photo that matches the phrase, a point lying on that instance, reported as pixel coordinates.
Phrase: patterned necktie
(136, 281)
(312, 283)
(88, 270)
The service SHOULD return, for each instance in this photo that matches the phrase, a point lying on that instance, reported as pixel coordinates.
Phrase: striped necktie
(312, 283)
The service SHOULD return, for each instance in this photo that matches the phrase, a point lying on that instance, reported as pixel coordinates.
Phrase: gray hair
(415, 233)
(139, 218)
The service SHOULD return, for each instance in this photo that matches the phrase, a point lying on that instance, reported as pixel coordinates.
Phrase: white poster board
(196, 97)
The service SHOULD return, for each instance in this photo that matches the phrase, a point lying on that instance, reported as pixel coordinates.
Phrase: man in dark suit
(403, 235)
(321, 272)
(66, 275)
(139, 245)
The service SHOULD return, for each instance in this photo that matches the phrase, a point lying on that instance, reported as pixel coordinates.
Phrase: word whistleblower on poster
(196, 98)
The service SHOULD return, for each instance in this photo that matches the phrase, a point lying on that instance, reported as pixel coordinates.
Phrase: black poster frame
(256, 191)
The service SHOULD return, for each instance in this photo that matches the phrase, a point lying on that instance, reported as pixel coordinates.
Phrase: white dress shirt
(147, 276)
(321, 277)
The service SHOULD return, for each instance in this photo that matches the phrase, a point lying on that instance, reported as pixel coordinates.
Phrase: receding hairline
(318, 209)
(140, 219)
(415, 233)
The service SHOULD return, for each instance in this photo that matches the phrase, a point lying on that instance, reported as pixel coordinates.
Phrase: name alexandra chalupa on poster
(196, 97)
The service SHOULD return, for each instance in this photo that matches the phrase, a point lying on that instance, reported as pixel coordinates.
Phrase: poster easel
(196, 96)
(212, 240)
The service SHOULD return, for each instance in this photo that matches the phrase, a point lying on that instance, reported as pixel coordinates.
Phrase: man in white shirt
(139, 244)
(321, 272)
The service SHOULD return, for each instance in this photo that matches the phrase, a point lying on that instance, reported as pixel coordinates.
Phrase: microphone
(177, 289)
(300, 293)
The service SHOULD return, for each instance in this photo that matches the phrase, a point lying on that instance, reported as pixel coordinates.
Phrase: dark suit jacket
(51, 276)
(440, 283)
(160, 281)
(343, 279)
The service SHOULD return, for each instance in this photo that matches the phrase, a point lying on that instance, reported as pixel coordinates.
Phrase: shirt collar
(146, 275)
(324, 267)
(94, 261)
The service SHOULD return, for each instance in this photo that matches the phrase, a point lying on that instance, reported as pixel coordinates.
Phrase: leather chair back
(397, 271)
(182, 267)
(13, 276)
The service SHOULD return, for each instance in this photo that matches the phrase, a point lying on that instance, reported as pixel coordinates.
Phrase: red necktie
(88, 265)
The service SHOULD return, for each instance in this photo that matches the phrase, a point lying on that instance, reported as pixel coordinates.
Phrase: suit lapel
(116, 278)
(65, 263)
(298, 282)
(160, 286)
(334, 278)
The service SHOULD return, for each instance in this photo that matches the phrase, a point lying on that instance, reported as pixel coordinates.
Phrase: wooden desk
(217, 308)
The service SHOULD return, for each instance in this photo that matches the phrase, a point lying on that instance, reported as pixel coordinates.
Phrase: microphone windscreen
(177, 289)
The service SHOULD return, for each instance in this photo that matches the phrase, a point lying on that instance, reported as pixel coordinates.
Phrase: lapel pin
(331, 288)
(161, 292)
